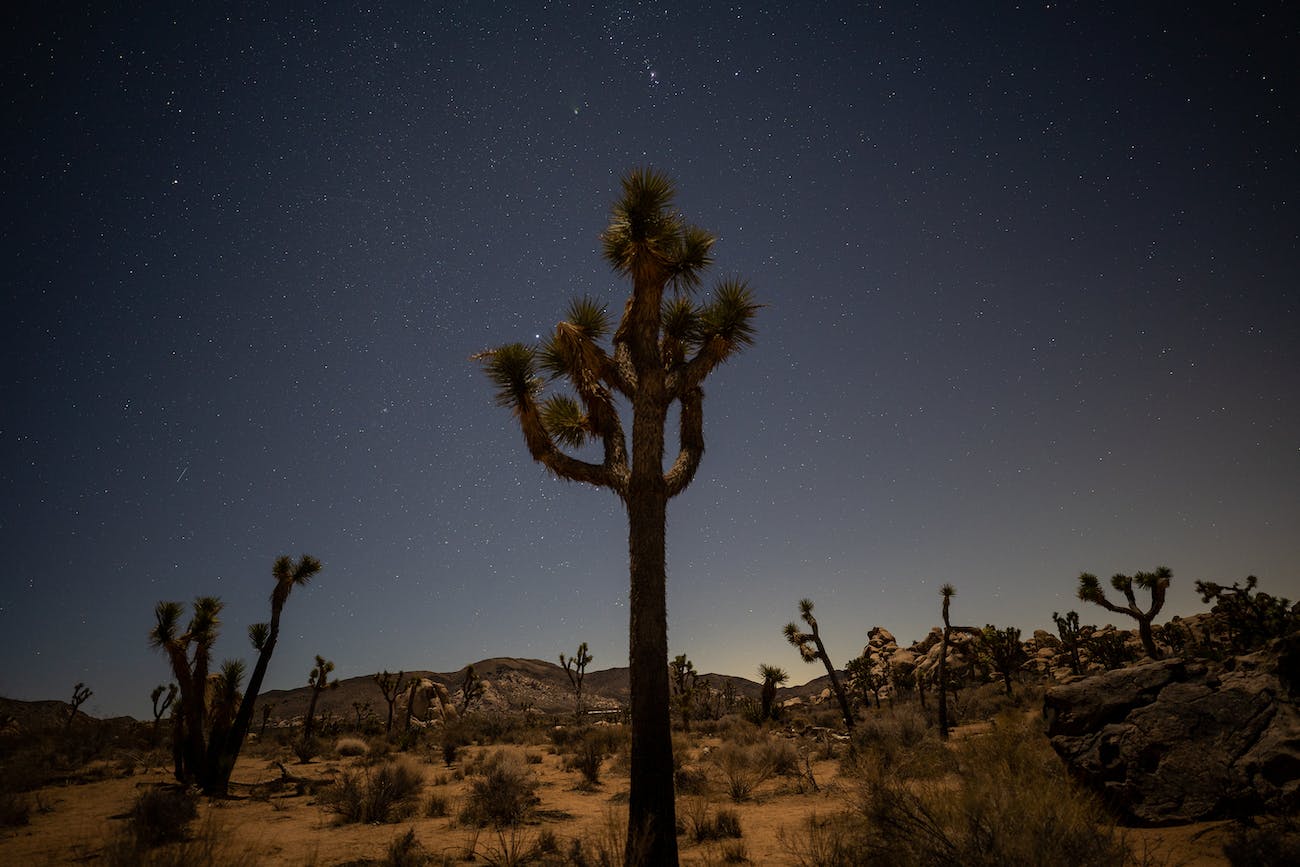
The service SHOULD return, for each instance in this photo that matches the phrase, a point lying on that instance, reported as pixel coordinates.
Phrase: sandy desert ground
(265, 822)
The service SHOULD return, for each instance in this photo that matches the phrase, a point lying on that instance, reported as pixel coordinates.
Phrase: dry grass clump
(351, 747)
(744, 767)
(503, 791)
(698, 821)
(384, 793)
(161, 815)
(1006, 803)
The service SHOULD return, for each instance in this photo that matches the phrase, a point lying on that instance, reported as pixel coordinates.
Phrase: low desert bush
(437, 806)
(384, 793)
(503, 792)
(1264, 843)
(1010, 803)
(161, 815)
(406, 851)
(700, 822)
(743, 768)
(15, 809)
(306, 749)
(351, 747)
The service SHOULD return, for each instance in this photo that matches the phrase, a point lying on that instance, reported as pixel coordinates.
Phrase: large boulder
(1175, 741)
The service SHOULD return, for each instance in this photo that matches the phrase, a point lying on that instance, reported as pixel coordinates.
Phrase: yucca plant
(663, 348)
(390, 685)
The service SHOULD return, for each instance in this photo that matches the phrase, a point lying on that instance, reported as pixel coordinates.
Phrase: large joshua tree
(1157, 583)
(663, 348)
(812, 649)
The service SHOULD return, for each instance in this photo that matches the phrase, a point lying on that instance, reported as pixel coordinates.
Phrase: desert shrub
(779, 755)
(351, 747)
(15, 809)
(207, 846)
(742, 768)
(503, 793)
(306, 749)
(691, 781)
(701, 823)
(1270, 843)
(1012, 806)
(437, 806)
(586, 759)
(406, 851)
(161, 815)
(737, 730)
(384, 793)
(904, 743)
(821, 841)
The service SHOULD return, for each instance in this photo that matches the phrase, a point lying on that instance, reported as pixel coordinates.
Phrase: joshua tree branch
(691, 436)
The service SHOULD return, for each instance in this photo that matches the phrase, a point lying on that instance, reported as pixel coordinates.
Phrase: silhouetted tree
(1157, 583)
(390, 685)
(319, 681)
(471, 689)
(684, 680)
(576, 668)
(1003, 651)
(1251, 618)
(160, 707)
(812, 649)
(947, 591)
(1071, 638)
(772, 678)
(80, 694)
(210, 763)
(865, 680)
(267, 707)
(662, 351)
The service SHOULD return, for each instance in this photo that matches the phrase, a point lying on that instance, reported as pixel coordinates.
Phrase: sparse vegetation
(504, 792)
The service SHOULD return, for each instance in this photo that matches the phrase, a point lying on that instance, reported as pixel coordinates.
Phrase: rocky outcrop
(1178, 741)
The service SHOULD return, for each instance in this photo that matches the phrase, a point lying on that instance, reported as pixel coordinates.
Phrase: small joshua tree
(772, 678)
(471, 689)
(267, 707)
(1071, 638)
(1157, 583)
(1003, 651)
(160, 707)
(319, 681)
(390, 685)
(80, 694)
(576, 668)
(865, 681)
(684, 680)
(947, 591)
(812, 649)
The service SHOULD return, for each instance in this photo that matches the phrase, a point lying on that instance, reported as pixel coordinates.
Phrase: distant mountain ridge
(514, 684)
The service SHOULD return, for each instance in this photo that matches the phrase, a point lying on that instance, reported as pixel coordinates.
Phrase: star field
(1030, 273)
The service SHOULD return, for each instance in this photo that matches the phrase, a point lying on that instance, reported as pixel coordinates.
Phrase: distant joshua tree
(1157, 583)
(812, 649)
(319, 681)
(865, 680)
(661, 352)
(576, 668)
(267, 707)
(1251, 618)
(80, 694)
(391, 686)
(1071, 638)
(1003, 651)
(160, 707)
(947, 591)
(772, 678)
(471, 689)
(684, 680)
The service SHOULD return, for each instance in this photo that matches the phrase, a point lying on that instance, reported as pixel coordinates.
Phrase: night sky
(1031, 275)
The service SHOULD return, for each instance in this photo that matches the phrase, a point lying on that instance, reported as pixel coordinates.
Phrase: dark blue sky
(1031, 275)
